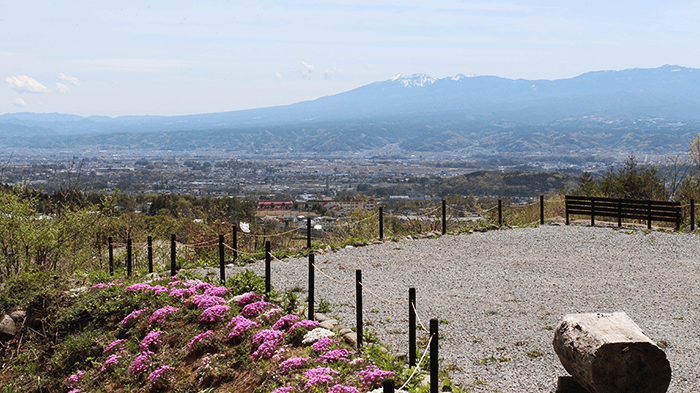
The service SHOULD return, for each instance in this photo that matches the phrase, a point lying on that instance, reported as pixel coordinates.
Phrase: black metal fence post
(149, 248)
(358, 305)
(411, 327)
(444, 217)
(388, 386)
(541, 209)
(222, 259)
(592, 211)
(434, 356)
(173, 255)
(308, 233)
(381, 223)
(268, 258)
(128, 257)
(500, 213)
(311, 286)
(692, 214)
(649, 215)
(111, 255)
(619, 213)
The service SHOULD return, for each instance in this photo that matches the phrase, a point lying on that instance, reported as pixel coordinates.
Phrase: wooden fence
(624, 209)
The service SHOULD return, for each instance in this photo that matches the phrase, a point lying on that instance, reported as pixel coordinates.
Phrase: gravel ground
(499, 294)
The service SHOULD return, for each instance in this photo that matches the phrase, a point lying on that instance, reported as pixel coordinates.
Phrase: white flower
(316, 334)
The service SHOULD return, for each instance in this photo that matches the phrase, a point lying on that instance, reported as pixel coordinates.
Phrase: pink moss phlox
(216, 291)
(303, 324)
(182, 292)
(140, 364)
(254, 309)
(265, 350)
(190, 283)
(285, 322)
(74, 379)
(343, 389)
(267, 335)
(134, 315)
(319, 376)
(240, 325)
(214, 313)
(114, 345)
(204, 286)
(293, 364)
(323, 344)
(373, 376)
(158, 289)
(111, 362)
(206, 301)
(99, 286)
(157, 376)
(199, 338)
(140, 287)
(270, 316)
(160, 314)
(248, 298)
(339, 354)
(152, 338)
(284, 389)
(74, 391)
(268, 340)
(174, 283)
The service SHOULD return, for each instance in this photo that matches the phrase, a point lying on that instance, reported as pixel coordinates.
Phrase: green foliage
(633, 181)
(246, 281)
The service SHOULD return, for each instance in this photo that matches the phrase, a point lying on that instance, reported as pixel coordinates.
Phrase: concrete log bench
(609, 353)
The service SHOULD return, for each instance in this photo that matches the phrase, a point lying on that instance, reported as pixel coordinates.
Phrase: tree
(587, 186)
(632, 182)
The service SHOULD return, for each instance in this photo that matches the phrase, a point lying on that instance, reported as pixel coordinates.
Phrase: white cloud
(308, 66)
(25, 84)
(20, 103)
(62, 88)
(278, 75)
(71, 79)
(327, 74)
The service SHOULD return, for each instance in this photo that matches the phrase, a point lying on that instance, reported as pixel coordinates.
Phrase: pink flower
(293, 364)
(319, 376)
(73, 380)
(267, 335)
(285, 389)
(206, 301)
(160, 314)
(303, 324)
(248, 298)
(152, 338)
(213, 313)
(340, 354)
(112, 361)
(204, 285)
(199, 338)
(216, 291)
(285, 322)
(323, 344)
(372, 376)
(343, 389)
(240, 325)
(157, 290)
(157, 376)
(268, 340)
(182, 292)
(140, 364)
(133, 316)
(253, 309)
(140, 287)
(113, 345)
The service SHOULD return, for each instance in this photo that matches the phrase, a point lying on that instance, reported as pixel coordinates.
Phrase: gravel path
(499, 293)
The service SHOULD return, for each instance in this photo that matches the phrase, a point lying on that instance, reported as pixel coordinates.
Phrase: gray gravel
(498, 294)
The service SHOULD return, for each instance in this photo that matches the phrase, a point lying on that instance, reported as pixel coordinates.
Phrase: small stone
(342, 330)
(320, 317)
(230, 265)
(18, 316)
(7, 328)
(359, 243)
(409, 237)
(351, 338)
(349, 247)
(326, 324)
(377, 242)
(492, 227)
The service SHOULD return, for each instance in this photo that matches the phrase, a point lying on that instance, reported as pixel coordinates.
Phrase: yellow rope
(331, 278)
(381, 298)
(427, 347)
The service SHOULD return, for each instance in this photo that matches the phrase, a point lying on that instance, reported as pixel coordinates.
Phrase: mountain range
(640, 110)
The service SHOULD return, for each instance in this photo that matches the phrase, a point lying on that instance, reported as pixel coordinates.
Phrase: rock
(351, 338)
(18, 316)
(359, 243)
(7, 328)
(320, 317)
(343, 330)
(230, 265)
(326, 324)
(481, 229)
(377, 242)
(349, 247)
(409, 237)
(569, 385)
(492, 227)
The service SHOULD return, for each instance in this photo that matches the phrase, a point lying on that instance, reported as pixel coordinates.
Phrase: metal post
(111, 255)
(434, 356)
(308, 233)
(381, 223)
(173, 255)
(311, 286)
(358, 306)
(128, 257)
(619, 213)
(541, 209)
(235, 242)
(222, 266)
(388, 386)
(649, 214)
(500, 213)
(411, 327)
(268, 258)
(444, 217)
(692, 215)
(592, 211)
(150, 254)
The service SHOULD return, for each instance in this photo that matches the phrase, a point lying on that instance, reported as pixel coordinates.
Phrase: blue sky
(182, 57)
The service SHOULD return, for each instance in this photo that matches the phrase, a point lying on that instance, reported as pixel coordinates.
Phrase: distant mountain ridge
(422, 113)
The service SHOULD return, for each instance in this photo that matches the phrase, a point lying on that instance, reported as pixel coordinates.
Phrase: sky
(184, 57)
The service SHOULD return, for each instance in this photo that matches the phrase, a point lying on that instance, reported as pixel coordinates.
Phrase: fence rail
(624, 209)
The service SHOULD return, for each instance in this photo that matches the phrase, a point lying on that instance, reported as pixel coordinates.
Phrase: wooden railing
(624, 209)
